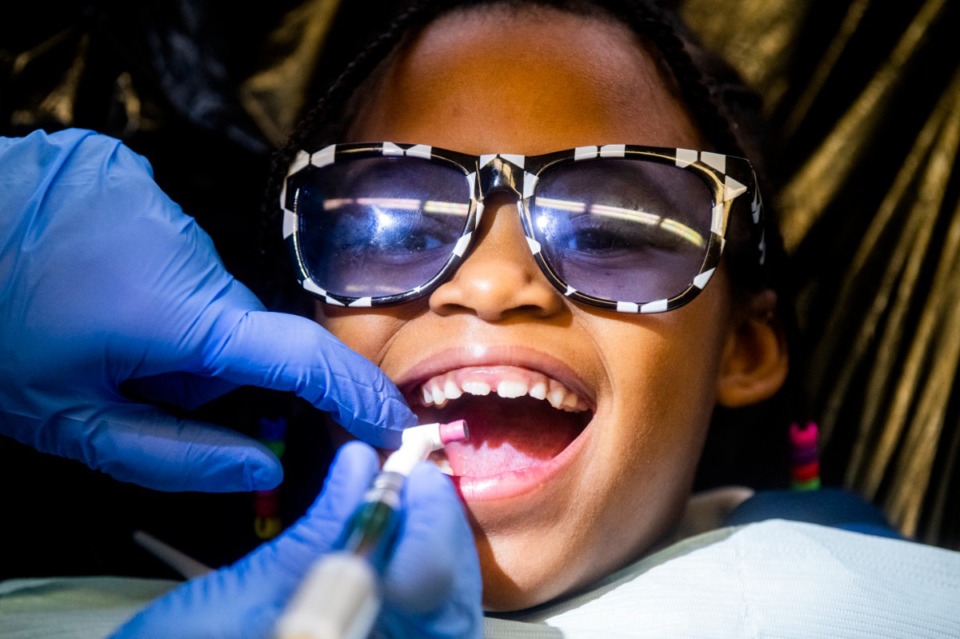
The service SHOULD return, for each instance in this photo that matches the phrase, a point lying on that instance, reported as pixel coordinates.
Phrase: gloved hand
(103, 279)
(432, 585)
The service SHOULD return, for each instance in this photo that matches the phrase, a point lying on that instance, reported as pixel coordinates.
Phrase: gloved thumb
(246, 598)
(432, 588)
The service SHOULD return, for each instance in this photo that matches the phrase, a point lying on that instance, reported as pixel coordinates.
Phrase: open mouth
(518, 419)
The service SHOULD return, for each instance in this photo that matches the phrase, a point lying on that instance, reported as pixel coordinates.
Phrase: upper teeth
(437, 391)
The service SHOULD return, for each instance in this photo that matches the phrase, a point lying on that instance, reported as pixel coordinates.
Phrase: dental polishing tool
(339, 597)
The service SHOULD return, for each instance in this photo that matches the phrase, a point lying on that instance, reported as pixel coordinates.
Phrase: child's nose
(499, 277)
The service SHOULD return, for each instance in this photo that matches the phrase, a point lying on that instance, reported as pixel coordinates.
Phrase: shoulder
(832, 507)
(775, 577)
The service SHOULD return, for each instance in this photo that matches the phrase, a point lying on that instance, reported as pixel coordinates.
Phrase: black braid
(664, 34)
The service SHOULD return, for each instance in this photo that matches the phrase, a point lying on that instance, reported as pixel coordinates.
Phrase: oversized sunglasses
(632, 228)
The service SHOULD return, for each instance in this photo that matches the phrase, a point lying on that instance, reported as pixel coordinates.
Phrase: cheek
(629, 489)
(665, 369)
(367, 332)
(663, 401)
(663, 392)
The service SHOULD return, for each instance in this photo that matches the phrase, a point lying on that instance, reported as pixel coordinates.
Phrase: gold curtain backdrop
(863, 100)
(863, 104)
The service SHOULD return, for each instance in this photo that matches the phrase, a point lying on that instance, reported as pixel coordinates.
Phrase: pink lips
(533, 474)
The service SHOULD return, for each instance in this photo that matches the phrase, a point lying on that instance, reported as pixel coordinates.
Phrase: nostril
(499, 302)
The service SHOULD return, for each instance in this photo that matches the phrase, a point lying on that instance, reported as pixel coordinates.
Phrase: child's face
(557, 498)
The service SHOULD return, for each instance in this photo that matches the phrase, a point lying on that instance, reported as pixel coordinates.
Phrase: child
(537, 216)
(588, 333)
(587, 337)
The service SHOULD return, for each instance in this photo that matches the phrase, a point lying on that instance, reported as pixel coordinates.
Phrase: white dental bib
(774, 578)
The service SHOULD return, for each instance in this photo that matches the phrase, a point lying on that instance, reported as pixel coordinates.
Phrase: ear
(754, 363)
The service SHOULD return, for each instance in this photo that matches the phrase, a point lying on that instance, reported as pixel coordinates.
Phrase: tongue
(509, 434)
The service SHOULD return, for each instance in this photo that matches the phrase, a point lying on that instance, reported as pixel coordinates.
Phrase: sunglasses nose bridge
(498, 175)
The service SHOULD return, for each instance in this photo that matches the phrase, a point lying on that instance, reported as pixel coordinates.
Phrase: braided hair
(725, 111)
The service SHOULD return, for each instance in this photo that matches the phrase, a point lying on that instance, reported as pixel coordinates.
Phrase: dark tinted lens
(380, 226)
(623, 230)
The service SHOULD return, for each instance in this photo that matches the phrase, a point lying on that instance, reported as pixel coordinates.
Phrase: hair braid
(671, 42)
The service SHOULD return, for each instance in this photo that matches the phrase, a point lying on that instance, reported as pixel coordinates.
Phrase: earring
(804, 456)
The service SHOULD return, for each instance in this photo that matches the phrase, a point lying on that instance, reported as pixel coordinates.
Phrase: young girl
(537, 216)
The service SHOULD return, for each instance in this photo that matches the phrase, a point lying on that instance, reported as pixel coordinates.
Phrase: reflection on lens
(623, 229)
(380, 226)
(395, 203)
(629, 215)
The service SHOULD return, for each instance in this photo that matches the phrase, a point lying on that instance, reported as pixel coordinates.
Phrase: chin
(531, 565)
(518, 584)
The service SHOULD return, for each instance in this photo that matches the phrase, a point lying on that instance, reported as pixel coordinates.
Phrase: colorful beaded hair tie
(804, 457)
(266, 503)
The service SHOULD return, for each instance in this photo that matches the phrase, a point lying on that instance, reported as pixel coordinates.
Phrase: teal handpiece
(371, 529)
(339, 598)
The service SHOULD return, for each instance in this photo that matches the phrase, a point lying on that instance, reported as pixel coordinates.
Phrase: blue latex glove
(432, 585)
(103, 279)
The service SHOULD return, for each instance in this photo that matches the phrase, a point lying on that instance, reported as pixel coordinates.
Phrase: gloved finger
(348, 480)
(184, 390)
(292, 353)
(144, 445)
(433, 579)
(154, 299)
(245, 599)
(105, 279)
